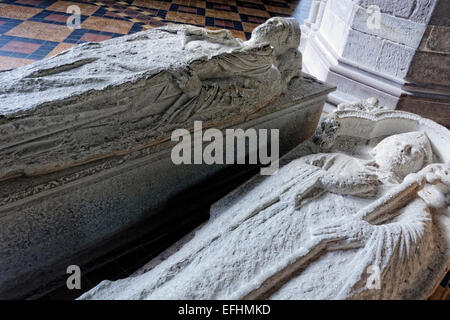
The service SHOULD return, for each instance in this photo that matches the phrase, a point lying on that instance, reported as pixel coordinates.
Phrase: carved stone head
(402, 154)
(281, 33)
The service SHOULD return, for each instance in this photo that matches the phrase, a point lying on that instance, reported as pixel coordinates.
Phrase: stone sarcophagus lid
(85, 136)
(358, 211)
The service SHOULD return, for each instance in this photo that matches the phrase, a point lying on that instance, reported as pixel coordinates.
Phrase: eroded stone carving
(363, 217)
(102, 102)
(85, 136)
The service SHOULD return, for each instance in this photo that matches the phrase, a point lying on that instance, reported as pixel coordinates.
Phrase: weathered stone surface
(392, 27)
(434, 109)
(441, 16)
(399, 8)
(335, 30)
(394, 59)
(359, 211)
(353, 87)
(439, 39)
(430, 68)
(423, 10)
(343, 9)
(362, 48)
(417, 10)
(399, 30)
(107, 95)
(85, 136)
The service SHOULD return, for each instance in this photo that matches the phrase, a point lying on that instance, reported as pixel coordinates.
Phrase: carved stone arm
(386, 207)
(355, 183)
(361, 184)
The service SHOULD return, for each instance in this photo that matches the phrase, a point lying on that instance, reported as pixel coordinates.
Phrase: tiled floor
(31, 30)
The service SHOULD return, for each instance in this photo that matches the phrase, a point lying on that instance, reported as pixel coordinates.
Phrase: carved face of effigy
(281, 33)
(403, 154)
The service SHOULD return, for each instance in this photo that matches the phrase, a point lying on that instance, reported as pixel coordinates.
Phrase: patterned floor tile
(17, 12)
(60, 48)
(25, 48)
(182, 17)
(227, 2)
(7, 24)
(187, 9)
(39, 30)
(85, 35)
(152, 4)
(20, 46)
(60, 18)
(104, 24)
(42, 4)
(229, 7)
(248, 27)
(277, 9)
(85, 8)
(11, 62)
(254, 12)
(223, 14)
(198, 3)
(29, 2)
(251, 5)
(281, 3)
(223, 23)
(92, 37)
(252, 19)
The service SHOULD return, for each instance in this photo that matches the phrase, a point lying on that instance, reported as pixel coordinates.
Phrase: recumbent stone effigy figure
(344, 219)
(98, 100)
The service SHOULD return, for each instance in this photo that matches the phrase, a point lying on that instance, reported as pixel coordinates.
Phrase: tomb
(358, 211)
(85, 136)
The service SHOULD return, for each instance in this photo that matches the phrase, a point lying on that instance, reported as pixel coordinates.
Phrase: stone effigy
(104, 99)
(85, 136)
(359, 211)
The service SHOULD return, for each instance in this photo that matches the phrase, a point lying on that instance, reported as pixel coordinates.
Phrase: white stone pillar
(396, 51)
(320, 12)
(315, 4)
